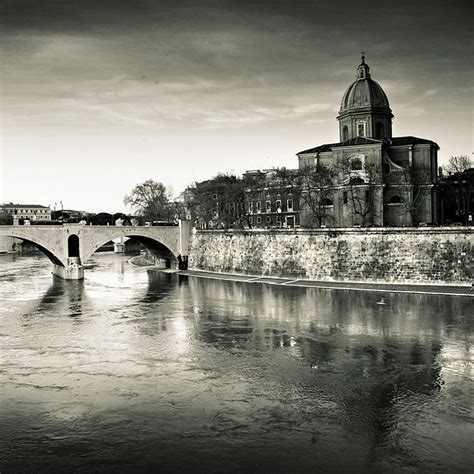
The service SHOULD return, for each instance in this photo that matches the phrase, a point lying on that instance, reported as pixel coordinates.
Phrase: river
(136, 371)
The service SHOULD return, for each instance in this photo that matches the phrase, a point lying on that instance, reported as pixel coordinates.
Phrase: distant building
(377, 179)
(27, 211)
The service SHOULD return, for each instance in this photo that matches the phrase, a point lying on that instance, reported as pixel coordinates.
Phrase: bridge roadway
(69, 246)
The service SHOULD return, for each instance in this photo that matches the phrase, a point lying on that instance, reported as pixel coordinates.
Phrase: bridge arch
(159, 247)
(53, 255)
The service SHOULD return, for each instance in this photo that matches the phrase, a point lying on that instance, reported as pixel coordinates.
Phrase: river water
(136, 371)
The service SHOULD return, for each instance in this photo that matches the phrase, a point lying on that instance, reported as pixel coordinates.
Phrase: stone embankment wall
(404, 255)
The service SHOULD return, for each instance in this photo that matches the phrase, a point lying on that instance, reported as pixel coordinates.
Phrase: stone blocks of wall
(403, 255)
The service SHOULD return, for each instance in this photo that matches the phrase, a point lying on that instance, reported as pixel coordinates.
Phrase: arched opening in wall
(345, 133)
(379, 130)
(73, 246)
(326, 202)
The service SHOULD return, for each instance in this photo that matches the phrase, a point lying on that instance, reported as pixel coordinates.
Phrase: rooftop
(395, 141)
(31, 206)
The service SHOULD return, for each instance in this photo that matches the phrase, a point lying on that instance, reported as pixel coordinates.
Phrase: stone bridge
(69, 246)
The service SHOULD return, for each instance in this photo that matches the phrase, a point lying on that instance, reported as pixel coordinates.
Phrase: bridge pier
(73, 271)
(119, 245)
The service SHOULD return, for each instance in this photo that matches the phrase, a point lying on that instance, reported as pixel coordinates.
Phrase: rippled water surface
(131, 371)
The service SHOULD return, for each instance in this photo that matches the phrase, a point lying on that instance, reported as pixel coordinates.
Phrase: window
(356, 164)
(361, 129)
(278, 219)
(269, 220)
(379, 130)
(251, 208)
(345, 133)
(367, 196)
(259, 219)
(289, 205)
(356, 181)
(268, 205)
(251, 220)
(326, 202)
(259, 207)
(344, 197)
(278, 204)
(214, 196)
(395, 200)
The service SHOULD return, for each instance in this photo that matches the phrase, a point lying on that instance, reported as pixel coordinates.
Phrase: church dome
(364, 92)
(365, 111)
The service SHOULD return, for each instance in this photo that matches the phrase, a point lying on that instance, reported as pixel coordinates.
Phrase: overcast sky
(100, 95)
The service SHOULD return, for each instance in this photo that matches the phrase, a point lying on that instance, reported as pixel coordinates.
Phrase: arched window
(73, 246)
(345, 133)
(361, 129)
(379, 130)
(395, 200)
(326, 202)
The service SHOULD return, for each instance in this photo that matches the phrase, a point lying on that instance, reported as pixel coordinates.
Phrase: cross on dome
(363, 71)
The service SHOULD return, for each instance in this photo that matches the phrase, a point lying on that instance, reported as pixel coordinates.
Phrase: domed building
(369, 177)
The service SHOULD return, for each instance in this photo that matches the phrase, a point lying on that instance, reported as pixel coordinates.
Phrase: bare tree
(410, 191)
(458, 164)
(459, 184)
(217, 203)
(361, 185)
(149, 200)
(317, 188)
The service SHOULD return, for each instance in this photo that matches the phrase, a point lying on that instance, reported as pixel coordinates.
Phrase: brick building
(273, 198)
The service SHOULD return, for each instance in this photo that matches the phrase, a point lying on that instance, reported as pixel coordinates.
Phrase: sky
(100, 95)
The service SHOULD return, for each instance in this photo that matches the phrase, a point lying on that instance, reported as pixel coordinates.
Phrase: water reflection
(132, 370)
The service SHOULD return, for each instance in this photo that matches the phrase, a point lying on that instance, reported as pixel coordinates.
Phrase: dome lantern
(365, 110)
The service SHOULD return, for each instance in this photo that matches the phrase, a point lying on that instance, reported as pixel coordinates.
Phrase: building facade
(27, 211)
(376, 179)
(456, 198)
(272, 198)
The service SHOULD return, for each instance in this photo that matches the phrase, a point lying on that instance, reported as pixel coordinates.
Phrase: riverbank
(141, 261)
(446, 290)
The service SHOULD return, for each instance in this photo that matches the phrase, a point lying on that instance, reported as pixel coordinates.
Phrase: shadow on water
(160, 284)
